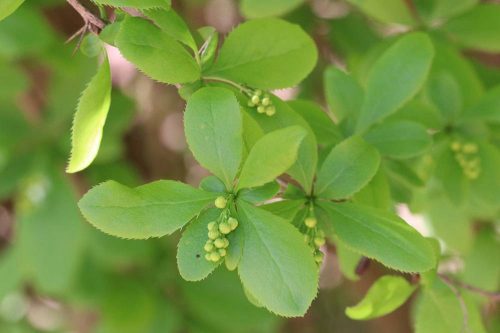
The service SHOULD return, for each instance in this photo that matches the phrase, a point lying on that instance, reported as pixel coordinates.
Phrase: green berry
(233, 223)
(224, 228)
(270, 111)
(470, 148)
(208, 247)
(222, 252)
(255, 99)
(213, 234)
(307, 239)
(251, 104)
(456, 146)
(214, 256)
(220, 202)
(226, 243)
(318, 256)
(319, 241)
(208, 257)
(212, 225)
(266, 101)
(258, 92)
(310, 222)
(219, 243)
(261, 109)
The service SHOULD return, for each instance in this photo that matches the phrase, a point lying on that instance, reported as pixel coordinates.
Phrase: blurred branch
(89, 19)
(492, 295)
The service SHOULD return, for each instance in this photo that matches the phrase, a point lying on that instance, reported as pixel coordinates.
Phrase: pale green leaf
(7, 7)
(348, 260)
(152, 210)
(277, 267)
(212, 184)
(444, 93)
(266, 54)
(380, 235)
(393, 11)
(265, 8)
(139, 4)
(261, 193)
(348, 167)
(190, 253)
(399, 139)
(478, 28)
(271, 156)
(396, 77)
(89, 120)
(385, 295)
(213, 127)
(155, 52)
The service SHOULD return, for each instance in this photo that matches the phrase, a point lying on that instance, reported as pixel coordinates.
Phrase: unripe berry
(208, 257)
(214, 256)
(270, 111)
(213, 234)
(224, 228)
(310, 222)
(258, 92)
(222, 252)
(220, 202)
(455, 146)
(266, 101)
(219, 243)
(319, 256)
(251, 104)
(212, 225)
(261, 109)
(255, 99)
(226, 243)
(233, 223)
(319, 241)
(470, 148)
(208, 247)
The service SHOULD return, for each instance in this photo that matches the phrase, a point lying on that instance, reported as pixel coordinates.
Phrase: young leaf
(393, 11)
(478, 28)
(380, 235)
(8, 7)
(266, 53)
(213, 127)
(212, 184)
(155, 52)
(265, 8)
(277, 267)
(386, 295)
(399, 139)
(139, 4)
(89, 120)
(271, 156)
(171, 23)
(348, 167)
(152, 210)
(286, 209)
(261, 193)
(396, 77)
(190, 253)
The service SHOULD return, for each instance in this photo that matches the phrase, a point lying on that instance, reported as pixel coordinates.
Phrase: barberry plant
(408, 121)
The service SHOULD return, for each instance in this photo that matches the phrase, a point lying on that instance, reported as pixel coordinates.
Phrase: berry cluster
(466, 156)
(315, 238)
(261, 101)
(217, 242)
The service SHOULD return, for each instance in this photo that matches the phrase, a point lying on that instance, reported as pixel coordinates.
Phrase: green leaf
(190, 253)
(438, 310)
(261, 193)
(324, 128)
(343, 94)
(487, 108)
(393, 11)
(286, 209)
(376, 193)
(171, 23)
(89, 120)
(478, 28)
(443, 91)
(209, 47)
(271, 156)
(109, 33)
(7, 7)
(450, 175)
(155, 52)
(264, 8)
(139, 4)
(212, 184)
(152, 210)
(213, 127)
(396, 77)
(443, 9)
(348, 167)
(266, 54)
(486, 186)
(10, 274)
(380, 235)
(277, 267)
(348, 260)
(386, 295)
(399, 139)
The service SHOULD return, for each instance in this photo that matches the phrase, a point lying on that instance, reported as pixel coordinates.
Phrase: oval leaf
(271, 156)
(152, 210)
(267, 54)
(380, 235)
(396, 77)
(89, 120)
(349, 166)
(277, 267)
(386, 295)
(155, 52)
(213, 127)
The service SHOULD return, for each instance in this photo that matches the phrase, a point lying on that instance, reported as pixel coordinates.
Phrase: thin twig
(492, 295)
(450, 283)
(86, 15)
